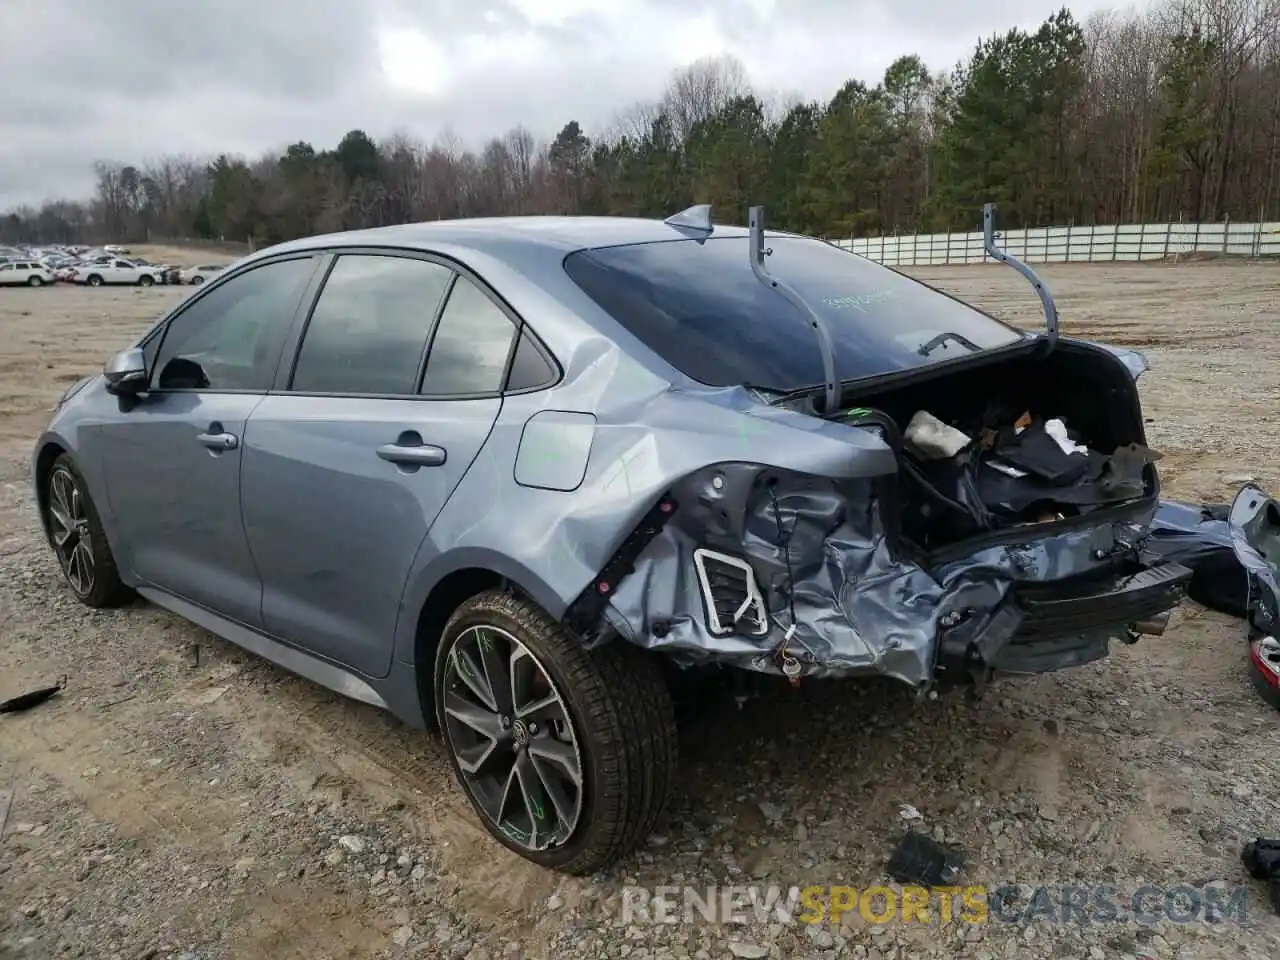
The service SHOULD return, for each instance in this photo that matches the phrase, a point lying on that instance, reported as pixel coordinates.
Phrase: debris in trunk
(33, 698)
(1025, 470)
(922, 860)
(1261, 857)
(930, 439)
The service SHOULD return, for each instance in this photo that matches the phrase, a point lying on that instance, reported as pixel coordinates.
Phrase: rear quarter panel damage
(859, 605)
(647, 436)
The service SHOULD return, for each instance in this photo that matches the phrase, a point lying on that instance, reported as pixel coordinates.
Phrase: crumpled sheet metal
(1255, 535)
(859, 610)
(1199, 536)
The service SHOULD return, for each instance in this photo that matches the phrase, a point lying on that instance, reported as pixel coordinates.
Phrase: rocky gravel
(181, 799)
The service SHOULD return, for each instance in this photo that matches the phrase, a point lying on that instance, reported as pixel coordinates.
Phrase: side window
(529, 369)
(6, 266)
(470, 348)
(369, 328)
(227, 339)
(22, 266)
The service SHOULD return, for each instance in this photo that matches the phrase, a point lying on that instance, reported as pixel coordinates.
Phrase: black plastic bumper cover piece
(1089, 604)
(1050, 626)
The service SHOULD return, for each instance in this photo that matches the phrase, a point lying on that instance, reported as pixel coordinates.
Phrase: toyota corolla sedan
(504, 476)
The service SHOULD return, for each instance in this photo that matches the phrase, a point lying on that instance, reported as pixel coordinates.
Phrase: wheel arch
(47, 454)
(431, 606)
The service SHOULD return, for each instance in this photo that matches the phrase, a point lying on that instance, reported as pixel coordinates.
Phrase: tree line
(1169, 114)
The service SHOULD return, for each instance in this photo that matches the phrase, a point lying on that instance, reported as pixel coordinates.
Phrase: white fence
(1138, 241)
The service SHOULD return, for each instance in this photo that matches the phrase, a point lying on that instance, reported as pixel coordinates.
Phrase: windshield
(698, 306)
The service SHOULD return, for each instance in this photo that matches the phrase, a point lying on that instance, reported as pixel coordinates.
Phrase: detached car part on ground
(1234, 552)
(818, 468)
(1255, 532)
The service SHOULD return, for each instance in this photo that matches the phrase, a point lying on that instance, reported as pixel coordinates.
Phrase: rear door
(349, 463)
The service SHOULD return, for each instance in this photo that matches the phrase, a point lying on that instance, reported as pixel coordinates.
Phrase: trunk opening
(1014, 471)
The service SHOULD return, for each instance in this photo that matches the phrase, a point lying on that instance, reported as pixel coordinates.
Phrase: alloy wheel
(69, 526)
(513, 738)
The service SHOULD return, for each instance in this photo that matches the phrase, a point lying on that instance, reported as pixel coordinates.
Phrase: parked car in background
(165, 273)
(198, 275)
(27, 273)
(506, 475)
(115, 271)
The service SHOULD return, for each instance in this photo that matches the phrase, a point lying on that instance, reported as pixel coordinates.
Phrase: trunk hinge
(1046, 300)
(758, 252)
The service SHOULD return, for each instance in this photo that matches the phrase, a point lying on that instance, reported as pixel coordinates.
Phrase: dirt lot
(182, 799)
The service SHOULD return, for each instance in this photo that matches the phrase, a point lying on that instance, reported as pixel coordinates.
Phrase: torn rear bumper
(802, 576)
(1042, 627)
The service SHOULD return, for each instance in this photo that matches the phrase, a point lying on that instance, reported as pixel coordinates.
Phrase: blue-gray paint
(554, 450)
(1254, 521)
(303, 544)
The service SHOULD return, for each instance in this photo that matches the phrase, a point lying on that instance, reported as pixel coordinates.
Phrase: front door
(346, 470)
(172, 460)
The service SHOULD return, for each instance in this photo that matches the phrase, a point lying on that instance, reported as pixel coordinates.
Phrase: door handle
(412, 455)
(219, 441)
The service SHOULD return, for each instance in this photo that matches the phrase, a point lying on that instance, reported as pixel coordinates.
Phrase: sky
(128, 80)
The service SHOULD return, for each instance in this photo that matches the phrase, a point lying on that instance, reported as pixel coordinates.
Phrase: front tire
(567, 755)
(35, 282)
(197, 280)
(78, 540)
(146, 280)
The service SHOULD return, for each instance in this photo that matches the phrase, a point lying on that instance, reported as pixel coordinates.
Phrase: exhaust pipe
(1152, 626)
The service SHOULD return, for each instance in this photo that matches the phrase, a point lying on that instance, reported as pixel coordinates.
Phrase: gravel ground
(184, 800)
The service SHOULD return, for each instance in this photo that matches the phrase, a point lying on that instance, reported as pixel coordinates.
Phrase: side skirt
(319, 671)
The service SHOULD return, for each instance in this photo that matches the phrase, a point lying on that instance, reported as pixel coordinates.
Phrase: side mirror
(126, 373)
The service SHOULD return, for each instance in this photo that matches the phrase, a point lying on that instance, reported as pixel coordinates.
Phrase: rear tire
(197, 280)
(146, 280)
(607, 711)
(94, 281)
(78, 540)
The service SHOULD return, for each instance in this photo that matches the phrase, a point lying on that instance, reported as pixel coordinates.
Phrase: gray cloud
(127, 80)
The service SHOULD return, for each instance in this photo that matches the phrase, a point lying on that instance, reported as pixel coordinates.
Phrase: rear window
(698, 305)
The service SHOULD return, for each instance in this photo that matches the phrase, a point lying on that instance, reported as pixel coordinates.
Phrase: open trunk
(935, 573)
(1044, 441)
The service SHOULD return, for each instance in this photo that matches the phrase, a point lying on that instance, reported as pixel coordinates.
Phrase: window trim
(283, 382)
(543, 352)
(517, 324)
(293, 341)
(160, 331)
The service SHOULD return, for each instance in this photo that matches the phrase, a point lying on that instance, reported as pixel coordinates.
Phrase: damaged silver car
(504, 475)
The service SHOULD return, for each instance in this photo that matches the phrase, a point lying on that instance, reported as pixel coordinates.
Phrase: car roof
(491, 234)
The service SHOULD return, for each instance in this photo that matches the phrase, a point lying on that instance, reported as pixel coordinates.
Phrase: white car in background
(115, 272)
(26, 273)
(197, 275)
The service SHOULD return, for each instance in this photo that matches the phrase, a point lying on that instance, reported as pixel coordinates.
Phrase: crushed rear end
(945, 572)
(1008, 533)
